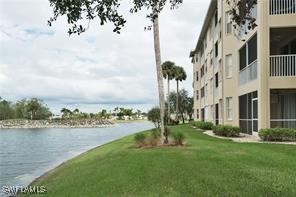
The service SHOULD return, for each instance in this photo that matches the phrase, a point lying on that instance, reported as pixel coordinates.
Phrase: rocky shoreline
(55, 123)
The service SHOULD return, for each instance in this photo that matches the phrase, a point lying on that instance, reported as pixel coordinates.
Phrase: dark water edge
(26, 154)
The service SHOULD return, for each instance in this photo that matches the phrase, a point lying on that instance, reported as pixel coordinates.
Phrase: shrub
(174, 122)
(154, 116)
(152, 141)
(203, 125)
(278, 134)
(155, 133)
(178, 138)
(226, 130)
(140, 138)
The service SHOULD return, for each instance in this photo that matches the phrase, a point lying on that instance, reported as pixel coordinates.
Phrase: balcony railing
(283, 65)
(248, 74)
(282, 7)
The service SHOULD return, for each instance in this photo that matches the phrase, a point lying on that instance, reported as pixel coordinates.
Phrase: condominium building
(243, 77)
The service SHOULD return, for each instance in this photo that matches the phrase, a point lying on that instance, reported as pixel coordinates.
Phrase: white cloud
(96, 67)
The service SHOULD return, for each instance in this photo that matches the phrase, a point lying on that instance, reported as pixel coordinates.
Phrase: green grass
(207, 166)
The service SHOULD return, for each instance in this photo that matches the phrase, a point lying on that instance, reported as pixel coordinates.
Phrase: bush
(278, 134)
(178, 138)
(152, 141)
(174, 122)
(203, 125)
(155, 133)
(140, 138)
(153, 115)
(226, 130)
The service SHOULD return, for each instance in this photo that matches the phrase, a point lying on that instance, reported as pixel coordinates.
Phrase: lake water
(26, 154)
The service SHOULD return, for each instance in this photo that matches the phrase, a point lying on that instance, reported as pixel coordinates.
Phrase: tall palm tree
(180, 75)
(168, 71)
(158, 68)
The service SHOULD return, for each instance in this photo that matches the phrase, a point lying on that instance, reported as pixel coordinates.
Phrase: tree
(241, 11)
(37, 109)
(154, 116)
(21, 111)
(66, 113)
(107, 11)
(33, 105)
(180, 75)
(185, 103)
(168, 71)
(189, 107)
(6, 110)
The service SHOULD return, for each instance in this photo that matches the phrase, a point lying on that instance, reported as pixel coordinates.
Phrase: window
(216, 18)
(216, 80)
(197, 113)
(229, 108)
(202, 71)
(206, 91)
(242, 57)
(197, 76)
(228, 66)
(228, 23)
(248, 53)
(252, 49)
(245, 112)
(196, 58)
(202, 92)
(216, 49)
(211, 86)
(197, 95)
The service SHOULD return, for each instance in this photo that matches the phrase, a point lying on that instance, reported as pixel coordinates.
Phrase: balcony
(248, 74)
(282, 52)
(283, 108)
(279, 7)
(283, 65)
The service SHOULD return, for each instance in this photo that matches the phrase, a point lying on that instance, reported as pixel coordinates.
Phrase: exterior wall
(230, 44)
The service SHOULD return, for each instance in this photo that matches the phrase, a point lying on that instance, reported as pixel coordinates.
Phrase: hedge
(278, 134)
(203, 125)
(226, 130)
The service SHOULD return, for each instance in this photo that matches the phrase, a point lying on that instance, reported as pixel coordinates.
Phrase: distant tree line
(118, 113)
(34, 109)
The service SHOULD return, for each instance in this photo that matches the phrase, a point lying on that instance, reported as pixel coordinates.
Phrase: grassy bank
(205, 167)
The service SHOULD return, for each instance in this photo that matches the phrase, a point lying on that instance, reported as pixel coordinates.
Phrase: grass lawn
(207, 166)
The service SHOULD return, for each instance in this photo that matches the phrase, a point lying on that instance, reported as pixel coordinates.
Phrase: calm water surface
(26, 154)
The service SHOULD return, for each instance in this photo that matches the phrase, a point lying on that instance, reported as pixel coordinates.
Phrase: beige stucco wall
(230, 44)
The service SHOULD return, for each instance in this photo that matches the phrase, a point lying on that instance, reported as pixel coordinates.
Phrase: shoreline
(43, 124)
(51, 170)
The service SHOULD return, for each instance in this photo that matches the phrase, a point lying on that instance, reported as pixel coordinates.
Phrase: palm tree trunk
(177, 103)
(168, 100)
(159, 74)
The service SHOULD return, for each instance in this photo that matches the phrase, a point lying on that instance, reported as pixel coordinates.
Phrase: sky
(98, 69)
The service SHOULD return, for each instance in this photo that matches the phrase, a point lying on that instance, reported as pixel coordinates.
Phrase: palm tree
(66, 112)
(168, 71)
(159, 68)
(180, 75)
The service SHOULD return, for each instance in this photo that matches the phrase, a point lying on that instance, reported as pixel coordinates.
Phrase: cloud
(97, 67)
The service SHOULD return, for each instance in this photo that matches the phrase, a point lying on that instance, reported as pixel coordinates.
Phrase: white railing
(283, 123)
(277, 7)
(282, 65)
(248, 74)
